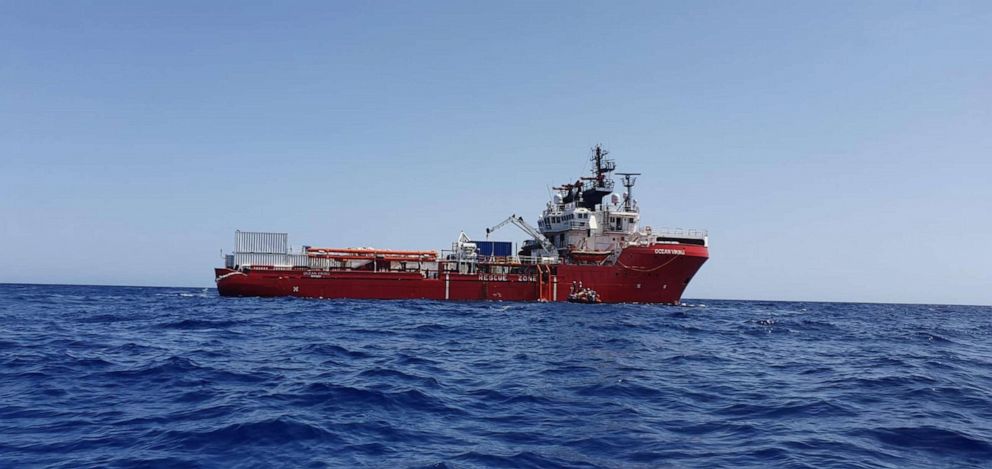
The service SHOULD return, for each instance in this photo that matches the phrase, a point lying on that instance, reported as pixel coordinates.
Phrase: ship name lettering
(677, 252)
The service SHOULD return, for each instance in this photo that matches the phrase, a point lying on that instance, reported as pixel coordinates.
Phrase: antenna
(629, 179)
(601, 167)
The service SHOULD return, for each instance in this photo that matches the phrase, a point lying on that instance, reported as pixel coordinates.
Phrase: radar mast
(629, 179)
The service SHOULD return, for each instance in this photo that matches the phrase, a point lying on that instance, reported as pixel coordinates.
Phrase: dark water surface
(117, 376)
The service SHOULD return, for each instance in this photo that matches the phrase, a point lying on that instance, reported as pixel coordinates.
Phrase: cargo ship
(588, 247)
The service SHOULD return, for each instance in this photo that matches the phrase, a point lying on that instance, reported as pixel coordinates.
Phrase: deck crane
(526, 228)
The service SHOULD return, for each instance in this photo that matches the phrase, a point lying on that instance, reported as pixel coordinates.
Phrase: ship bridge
(588, 220)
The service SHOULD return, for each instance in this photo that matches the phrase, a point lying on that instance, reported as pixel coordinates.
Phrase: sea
(180, 377)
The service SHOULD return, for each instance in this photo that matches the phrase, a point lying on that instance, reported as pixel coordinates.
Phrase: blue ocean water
(128, 376)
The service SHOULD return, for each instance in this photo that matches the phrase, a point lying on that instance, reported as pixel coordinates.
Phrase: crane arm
(501, 224)
(526, 228)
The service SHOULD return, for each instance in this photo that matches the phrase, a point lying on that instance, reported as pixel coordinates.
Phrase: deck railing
(679, 233)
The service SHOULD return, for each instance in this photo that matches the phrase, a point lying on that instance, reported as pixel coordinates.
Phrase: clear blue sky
(834, 150)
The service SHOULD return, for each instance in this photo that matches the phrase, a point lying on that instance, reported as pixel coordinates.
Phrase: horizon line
(701, 299)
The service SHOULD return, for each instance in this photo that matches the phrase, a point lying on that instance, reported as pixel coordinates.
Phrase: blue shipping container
(495, 248)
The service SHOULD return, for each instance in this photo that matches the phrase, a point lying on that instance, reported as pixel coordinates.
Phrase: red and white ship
(587, 247)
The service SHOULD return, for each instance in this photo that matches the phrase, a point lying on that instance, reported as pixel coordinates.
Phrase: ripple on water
(117, 376)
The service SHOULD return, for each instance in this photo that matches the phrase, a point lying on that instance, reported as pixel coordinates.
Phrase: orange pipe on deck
(371, 251)
(425, 258)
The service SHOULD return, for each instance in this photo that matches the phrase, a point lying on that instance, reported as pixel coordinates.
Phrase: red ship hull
(642, 274)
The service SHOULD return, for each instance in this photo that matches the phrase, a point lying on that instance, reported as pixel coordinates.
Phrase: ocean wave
(332, 350)
(619, 388)
(183, 370)
(105, 318)
(522, 459)
(340, 395)
(264, 432)
(931, 439)
(107, 376)
(389, 375)
(788, 409)
(406, 359)
(192, 324)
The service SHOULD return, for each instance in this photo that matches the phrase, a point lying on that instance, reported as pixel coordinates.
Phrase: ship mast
(628, 183)
(601, 165)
